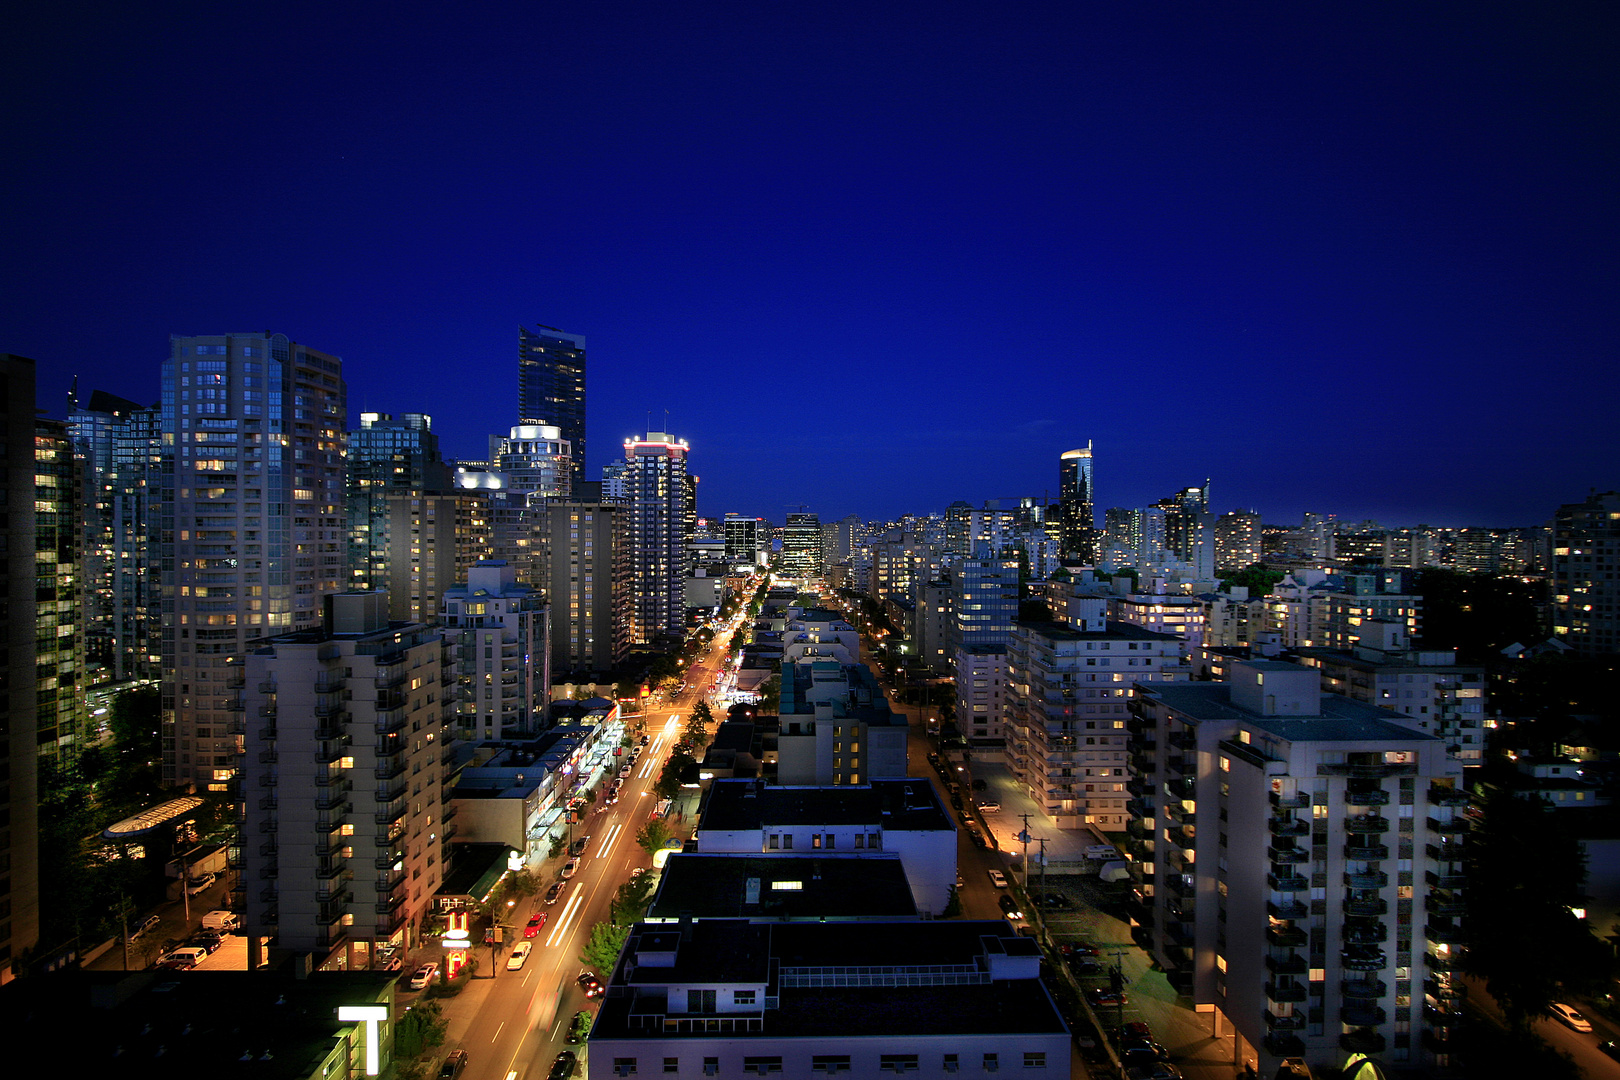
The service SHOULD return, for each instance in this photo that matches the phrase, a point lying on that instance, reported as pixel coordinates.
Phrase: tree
(770, 695)
(630, 902)
(1256, 578)
(669, 781)
(1032, 611)
(697, 724)
(602, 950)
(1524, 877)
(653, 836)
(420, 1029)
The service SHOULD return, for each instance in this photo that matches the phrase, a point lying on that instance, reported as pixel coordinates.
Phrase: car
(989, 806)
(568, 870)
(1084, 967)
(998, 879)
(563, 1067)
(577, 848)
(1142, 1052)
(1570, 1017)
(532, 927)
(422, 976)
(624, 773)
(580, 1027)
(1009, 906)
(202, 884)
(554, 893)
(589, 983)
(1050, 900)
(1103, 996)
(454, 1062)
(389, 963)
(1136, 1029)
(147, 925)
(183, 958)
(645, 739)
(520, 953)
(1159, 1070)
(960, 880)
(205, 941)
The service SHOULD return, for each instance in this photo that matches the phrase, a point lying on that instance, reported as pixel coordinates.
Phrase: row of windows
(832, 1064)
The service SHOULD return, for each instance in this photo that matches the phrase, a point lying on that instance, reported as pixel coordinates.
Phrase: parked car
(1050, 900)
(554, 892)
(580, 1027)
(205, 940)
(202, 884)
(1102, 995)
(1142, 1052)
(644, 739)
(998, 879)
(520, 953)
(187, 956)
(577, 848)
(147, 925)
(422, 976)
(1136, 1029)
(989, 806)
(454, 1062)
(624, 773)
(568, 870)
(1159, 1070)
(1083, 967)
(532, 927)
(1570, 1017)
(589, 983)
(1009, 906)
(563, 1067)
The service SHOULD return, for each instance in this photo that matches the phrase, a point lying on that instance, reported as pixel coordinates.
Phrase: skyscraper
(19, 778)
(551, 384)
(59, 679)
(658, 494)
(1586, 596)
(95, 428)
(801, 546)
(1077, 523)
(258, 532)
(387, 456)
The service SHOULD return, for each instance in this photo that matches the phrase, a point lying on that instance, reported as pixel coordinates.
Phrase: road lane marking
(497, 1034)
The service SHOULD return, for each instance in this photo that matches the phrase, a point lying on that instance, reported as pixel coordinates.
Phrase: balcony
(388, 792)
(1366, 933)
(1442, 989)
(267, 686)
(1288, 856)
(1284, 1044)
(1367, 879)
(1373, 906)
(390, 768)
(1362, 959)
(1177, 812)
(1442, 1018)
(390, 721)
(1182, 740)
(1439, 1042)
(1366, 824)
(1287, 909)
(1363, 989)
(387, 815)
(1448, 827)
(1288, 882)
(1371, 852)
(1437, 903)
(1369, 770)
(1363, 1041)
(1444, 934)
(330, 682)
(1445, 796)
(1297, 801)
(1437, 962)
(390, 699)
(1445, 881)
(1287, 937)
(1366, 797)
(1445, 851)
(268, 757)
(1291, 964)
(1361, 1015)
(1286, 992)
(1288, 826)
(1276, 1022)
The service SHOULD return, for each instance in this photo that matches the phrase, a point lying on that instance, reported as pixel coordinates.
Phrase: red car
(536, 921)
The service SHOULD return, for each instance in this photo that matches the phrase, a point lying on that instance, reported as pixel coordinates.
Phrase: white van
(1102, 852)
(223, 921)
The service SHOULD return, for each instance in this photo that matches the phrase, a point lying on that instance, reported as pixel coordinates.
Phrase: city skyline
(1354, 262)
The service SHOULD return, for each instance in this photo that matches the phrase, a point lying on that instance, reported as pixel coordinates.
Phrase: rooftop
(751, 887)
(1341, 719)
(908, 804)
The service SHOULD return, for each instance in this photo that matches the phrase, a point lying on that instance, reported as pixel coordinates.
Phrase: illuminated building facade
(497, 627)
(1077, 522)
(801, 546)
(551, 386)
(1586, 590)
(346, 781)
(657, 492)
(59, 664)
(259, 529)
(389, 457)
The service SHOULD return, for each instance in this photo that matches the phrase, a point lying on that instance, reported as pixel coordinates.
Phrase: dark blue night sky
(870, 258)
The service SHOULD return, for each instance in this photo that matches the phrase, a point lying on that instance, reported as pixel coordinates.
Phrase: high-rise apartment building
(435, 539)
(388, 457)
(94, 429)
(743, 540)
(141, 466)
(19, 793)
(1068, 691)
(496, 627)
(1302, 854)
(1237, 542)
(59, 665)
(344, 786)
(801, 546)
(1586, 587)
(658, 495)
(984, 599)
(981, 695)
(551, 385)
(1077, 522)
(258, 532)
(537, 460)
(588, 579)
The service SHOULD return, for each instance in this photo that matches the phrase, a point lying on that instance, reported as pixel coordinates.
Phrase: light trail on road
(606, 847)
(560, 930)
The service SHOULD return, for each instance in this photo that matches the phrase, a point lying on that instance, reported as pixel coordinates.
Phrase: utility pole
(1024, 836)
